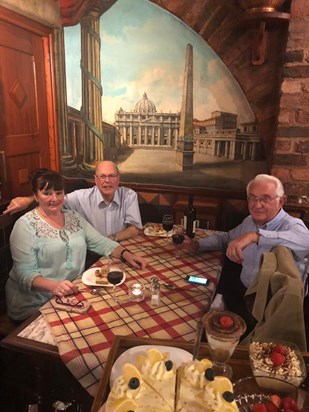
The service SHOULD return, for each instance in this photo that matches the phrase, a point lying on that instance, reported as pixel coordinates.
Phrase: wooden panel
(24, 127)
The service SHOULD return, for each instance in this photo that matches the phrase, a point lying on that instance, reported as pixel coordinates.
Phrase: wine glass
(115, 275)
(177, 238)
(167, 224)
(223, 331)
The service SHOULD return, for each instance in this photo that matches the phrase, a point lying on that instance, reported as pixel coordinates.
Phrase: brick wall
(291, 154)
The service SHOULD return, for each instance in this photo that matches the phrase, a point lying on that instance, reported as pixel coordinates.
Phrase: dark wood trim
(29, 346)
(26, 23)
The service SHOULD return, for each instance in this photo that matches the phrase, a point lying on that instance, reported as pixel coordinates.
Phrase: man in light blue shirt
(112, 210)
(268, 225)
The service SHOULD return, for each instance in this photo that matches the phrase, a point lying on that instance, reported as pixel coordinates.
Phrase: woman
(48, 246)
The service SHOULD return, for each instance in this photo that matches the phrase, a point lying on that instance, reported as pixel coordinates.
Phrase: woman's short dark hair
(46, 179)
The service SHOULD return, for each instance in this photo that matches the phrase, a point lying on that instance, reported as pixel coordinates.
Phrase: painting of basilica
(178, 122)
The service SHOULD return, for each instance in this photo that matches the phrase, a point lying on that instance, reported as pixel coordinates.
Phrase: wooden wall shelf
(262, 22)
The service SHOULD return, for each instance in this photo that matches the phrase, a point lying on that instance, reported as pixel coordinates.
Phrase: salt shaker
(155, 291)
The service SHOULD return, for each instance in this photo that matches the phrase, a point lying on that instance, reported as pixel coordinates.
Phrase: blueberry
(169, 365)
(134, 383)
(210, 374)
(228, 396)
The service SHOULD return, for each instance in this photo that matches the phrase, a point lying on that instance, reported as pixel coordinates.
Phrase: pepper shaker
(155, 291)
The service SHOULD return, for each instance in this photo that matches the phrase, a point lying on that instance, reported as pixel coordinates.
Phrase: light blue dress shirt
(39, 249)
(283, 230)
(107, 219)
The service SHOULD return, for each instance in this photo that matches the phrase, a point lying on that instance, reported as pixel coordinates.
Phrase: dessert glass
(223, 331)
(293, 371)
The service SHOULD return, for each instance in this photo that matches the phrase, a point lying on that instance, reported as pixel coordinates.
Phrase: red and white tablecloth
(84, 340)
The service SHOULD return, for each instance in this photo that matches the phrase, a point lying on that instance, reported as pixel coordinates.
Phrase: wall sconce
(261, 15)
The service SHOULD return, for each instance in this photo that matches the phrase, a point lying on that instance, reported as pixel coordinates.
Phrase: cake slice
(199, 390)
(131, 390)
(159, 372)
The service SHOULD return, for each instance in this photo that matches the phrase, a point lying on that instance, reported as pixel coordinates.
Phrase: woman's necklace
(57, 221)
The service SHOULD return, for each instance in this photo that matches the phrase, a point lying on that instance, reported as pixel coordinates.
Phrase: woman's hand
(134, 260)
(65, 288)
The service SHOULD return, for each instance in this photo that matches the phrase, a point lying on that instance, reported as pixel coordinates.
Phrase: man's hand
(17, 204)
(236, 246)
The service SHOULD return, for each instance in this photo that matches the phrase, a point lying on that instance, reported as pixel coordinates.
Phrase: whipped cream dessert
(223, 331)
(269, 359)
(153, 383)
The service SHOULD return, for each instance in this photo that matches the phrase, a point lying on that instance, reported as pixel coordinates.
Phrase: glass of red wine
(115, 275)
(167, 224)
(177, 238)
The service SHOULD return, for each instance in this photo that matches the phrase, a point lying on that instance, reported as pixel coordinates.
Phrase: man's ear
(282, 200)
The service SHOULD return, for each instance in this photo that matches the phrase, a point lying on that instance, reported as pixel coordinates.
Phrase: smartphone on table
(197, 280)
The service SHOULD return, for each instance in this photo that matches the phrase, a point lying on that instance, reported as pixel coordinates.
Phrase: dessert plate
(88, 279)
(177, 355)
(156, 230)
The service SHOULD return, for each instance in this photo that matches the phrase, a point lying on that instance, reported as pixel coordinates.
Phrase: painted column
(91, 88)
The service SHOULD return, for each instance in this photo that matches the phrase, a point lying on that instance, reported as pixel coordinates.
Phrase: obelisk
(184, 150)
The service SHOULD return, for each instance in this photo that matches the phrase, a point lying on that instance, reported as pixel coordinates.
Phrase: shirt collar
(100, 199)
(272, 223)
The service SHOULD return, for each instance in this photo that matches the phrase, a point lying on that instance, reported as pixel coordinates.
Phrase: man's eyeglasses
(73, 302)
(104, 177)
(262, 199)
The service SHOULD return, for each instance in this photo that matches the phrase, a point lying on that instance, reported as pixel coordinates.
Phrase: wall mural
(145, 90)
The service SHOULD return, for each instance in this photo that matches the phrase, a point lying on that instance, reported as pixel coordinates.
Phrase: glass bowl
(248, 392)
(292, 370)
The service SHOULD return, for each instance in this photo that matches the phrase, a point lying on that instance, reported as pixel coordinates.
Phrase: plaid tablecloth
(84, 340)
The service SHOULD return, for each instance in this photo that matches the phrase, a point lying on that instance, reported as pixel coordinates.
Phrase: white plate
(88, 279)
(177, 355)
(150, 232)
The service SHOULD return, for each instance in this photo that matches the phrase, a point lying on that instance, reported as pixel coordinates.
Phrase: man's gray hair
(267, 178)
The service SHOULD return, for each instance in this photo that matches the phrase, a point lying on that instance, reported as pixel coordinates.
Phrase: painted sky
(143, 50)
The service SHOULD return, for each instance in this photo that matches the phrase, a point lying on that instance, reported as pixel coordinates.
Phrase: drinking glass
(167, 224)
(223, 331)
(115, 276)
(178, 238)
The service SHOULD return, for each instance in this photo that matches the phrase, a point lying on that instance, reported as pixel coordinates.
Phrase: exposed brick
(302, 115)
(294, 56)
(292, 86)
(281, 173)
(300, 174)
(289, 160)
(293, 131)
(286, 117)
(283, 145)
(303, 147)
(298, 7)
(296, 188)
(296, 71)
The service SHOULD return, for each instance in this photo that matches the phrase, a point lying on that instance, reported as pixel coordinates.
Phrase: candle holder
(136, 292)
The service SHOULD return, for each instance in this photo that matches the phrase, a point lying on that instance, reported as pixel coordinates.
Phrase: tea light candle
(136, 292)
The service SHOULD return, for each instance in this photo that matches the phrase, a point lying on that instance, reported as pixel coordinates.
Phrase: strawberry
(259, 407)
(280, 349)
(271, 407)
(277, 359)
(289, 403)
(276, 400)
(226, 322)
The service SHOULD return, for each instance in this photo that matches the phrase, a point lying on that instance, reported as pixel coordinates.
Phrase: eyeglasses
(73, 302)
(104, 177)
(262, 199)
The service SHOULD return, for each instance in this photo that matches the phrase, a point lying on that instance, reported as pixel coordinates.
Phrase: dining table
(83, 340)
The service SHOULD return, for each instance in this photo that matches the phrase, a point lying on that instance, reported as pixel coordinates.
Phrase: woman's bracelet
(121, 254)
